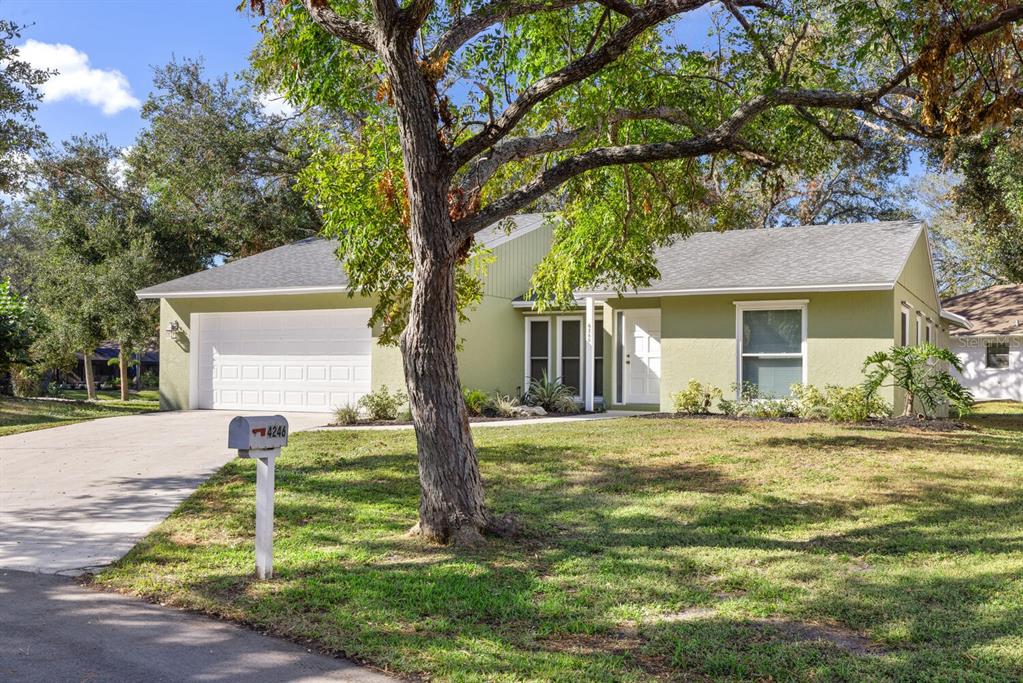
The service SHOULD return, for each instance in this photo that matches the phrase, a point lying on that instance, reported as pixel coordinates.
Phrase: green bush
(346, 414)
(477, 402)
(551, 395)
(695, 399)
(922, 373)
(150, 379)
(26, 381)
(382, 404)
(838, 404)
(752, 403)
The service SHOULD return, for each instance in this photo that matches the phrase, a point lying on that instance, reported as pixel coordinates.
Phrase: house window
(538, 349)
(928, 333)
(771, 343)
(905, 326)
(919, 326)
(997, 356)
(570, 353)
(598, 358)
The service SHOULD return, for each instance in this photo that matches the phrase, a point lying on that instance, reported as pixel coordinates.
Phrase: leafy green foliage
(838, 404)
(26, 380)
(695, 399)
(20, 325)
(19, 97)
(921, 372)
(505, 406)
(551, 394)
(219, 168)
(346, 414)
(988, 202)
(477, 402)
(382, 404)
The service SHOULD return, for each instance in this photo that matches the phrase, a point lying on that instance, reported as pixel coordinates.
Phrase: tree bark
(122, 362)
(451, 507)
(907, 410)
(90, 384)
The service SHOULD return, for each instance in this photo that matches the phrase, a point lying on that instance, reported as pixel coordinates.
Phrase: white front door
(643, 356)
(311, 361)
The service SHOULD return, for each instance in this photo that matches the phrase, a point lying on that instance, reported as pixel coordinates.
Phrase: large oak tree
(473, 110)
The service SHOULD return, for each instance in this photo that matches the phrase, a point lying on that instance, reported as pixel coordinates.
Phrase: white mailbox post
(261, 438)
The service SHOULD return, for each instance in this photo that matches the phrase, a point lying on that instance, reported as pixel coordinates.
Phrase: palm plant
(551, 394)
(921, 371)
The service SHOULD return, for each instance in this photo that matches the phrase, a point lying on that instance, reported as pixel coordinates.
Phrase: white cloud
(274, 104)
(107, 89)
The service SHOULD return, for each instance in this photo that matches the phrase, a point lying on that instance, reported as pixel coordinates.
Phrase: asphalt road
(53, 630)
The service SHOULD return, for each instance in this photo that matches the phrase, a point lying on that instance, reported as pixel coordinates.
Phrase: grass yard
(672, 549)
(28, 414)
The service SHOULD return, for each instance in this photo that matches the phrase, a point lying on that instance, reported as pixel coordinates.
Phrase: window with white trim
(772, 346)
(919, 328)
(538, 348)
(996, 356)
(598, 358)
(927, 335)
(570, 353)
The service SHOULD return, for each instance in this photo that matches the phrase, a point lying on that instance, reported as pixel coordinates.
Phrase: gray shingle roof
(808, 256)
(304, 265)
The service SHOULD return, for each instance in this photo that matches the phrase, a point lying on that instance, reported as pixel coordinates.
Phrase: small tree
(920, 371)
(19, 326)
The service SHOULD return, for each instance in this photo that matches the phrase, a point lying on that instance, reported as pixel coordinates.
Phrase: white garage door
(281, 360)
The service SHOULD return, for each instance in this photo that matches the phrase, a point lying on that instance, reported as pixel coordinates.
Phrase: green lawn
(28, 414)
(688, 549)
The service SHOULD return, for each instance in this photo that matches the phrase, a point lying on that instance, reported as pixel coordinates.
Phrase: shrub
(770, 407)
(150, 380)
(811, 402)
(346, 414)
(838, 404)
(921, 372)
(382, 404)
(551, 395)
(505, 406)
(25, 381)
(854, 404)
(477, 402)
(695, 399)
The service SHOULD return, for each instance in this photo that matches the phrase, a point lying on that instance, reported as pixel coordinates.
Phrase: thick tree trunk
(451, 505)
(90, 384)
(122, 362)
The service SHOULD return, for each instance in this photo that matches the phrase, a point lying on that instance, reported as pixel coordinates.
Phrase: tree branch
(349, 30)
(468, 27)
(513, 149)
(584, 67)
(722, 138)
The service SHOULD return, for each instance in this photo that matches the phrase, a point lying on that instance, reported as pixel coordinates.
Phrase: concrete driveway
(78, 497)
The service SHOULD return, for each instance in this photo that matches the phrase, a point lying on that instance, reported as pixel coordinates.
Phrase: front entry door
(643, 356)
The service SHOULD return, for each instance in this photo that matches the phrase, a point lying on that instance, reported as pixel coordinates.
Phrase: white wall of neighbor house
(992, 366)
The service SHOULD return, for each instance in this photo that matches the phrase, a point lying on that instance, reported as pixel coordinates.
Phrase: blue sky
(126, 36)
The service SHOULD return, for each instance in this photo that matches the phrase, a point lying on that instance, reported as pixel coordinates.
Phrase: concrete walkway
(531, 421)
(78, 497)
(54, 630)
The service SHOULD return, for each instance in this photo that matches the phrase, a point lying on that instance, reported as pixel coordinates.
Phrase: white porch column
(590, 348)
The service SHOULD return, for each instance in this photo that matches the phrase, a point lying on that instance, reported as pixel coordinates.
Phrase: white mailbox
(257, 433)
(261, 438)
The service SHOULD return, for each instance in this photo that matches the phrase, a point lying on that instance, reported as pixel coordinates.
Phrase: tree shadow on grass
(348, 577)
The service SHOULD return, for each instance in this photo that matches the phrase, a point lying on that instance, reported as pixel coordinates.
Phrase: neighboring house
(992, 349)
(103, 371)
(277, 331)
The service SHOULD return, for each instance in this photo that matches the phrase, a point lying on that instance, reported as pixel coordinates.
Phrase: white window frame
(582, 350)
(778, 305)
(530, 321)
(929, 332)
(919, 326)
(906, 311)
(598, 328)
(617, 339)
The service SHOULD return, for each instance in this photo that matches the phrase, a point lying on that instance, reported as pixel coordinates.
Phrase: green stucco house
(278, 331)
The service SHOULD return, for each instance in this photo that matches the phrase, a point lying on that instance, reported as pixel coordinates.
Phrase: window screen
(539, 351)
(997, 356)
(772, 350)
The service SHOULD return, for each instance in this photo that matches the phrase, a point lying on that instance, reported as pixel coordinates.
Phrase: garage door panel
(297, 360)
